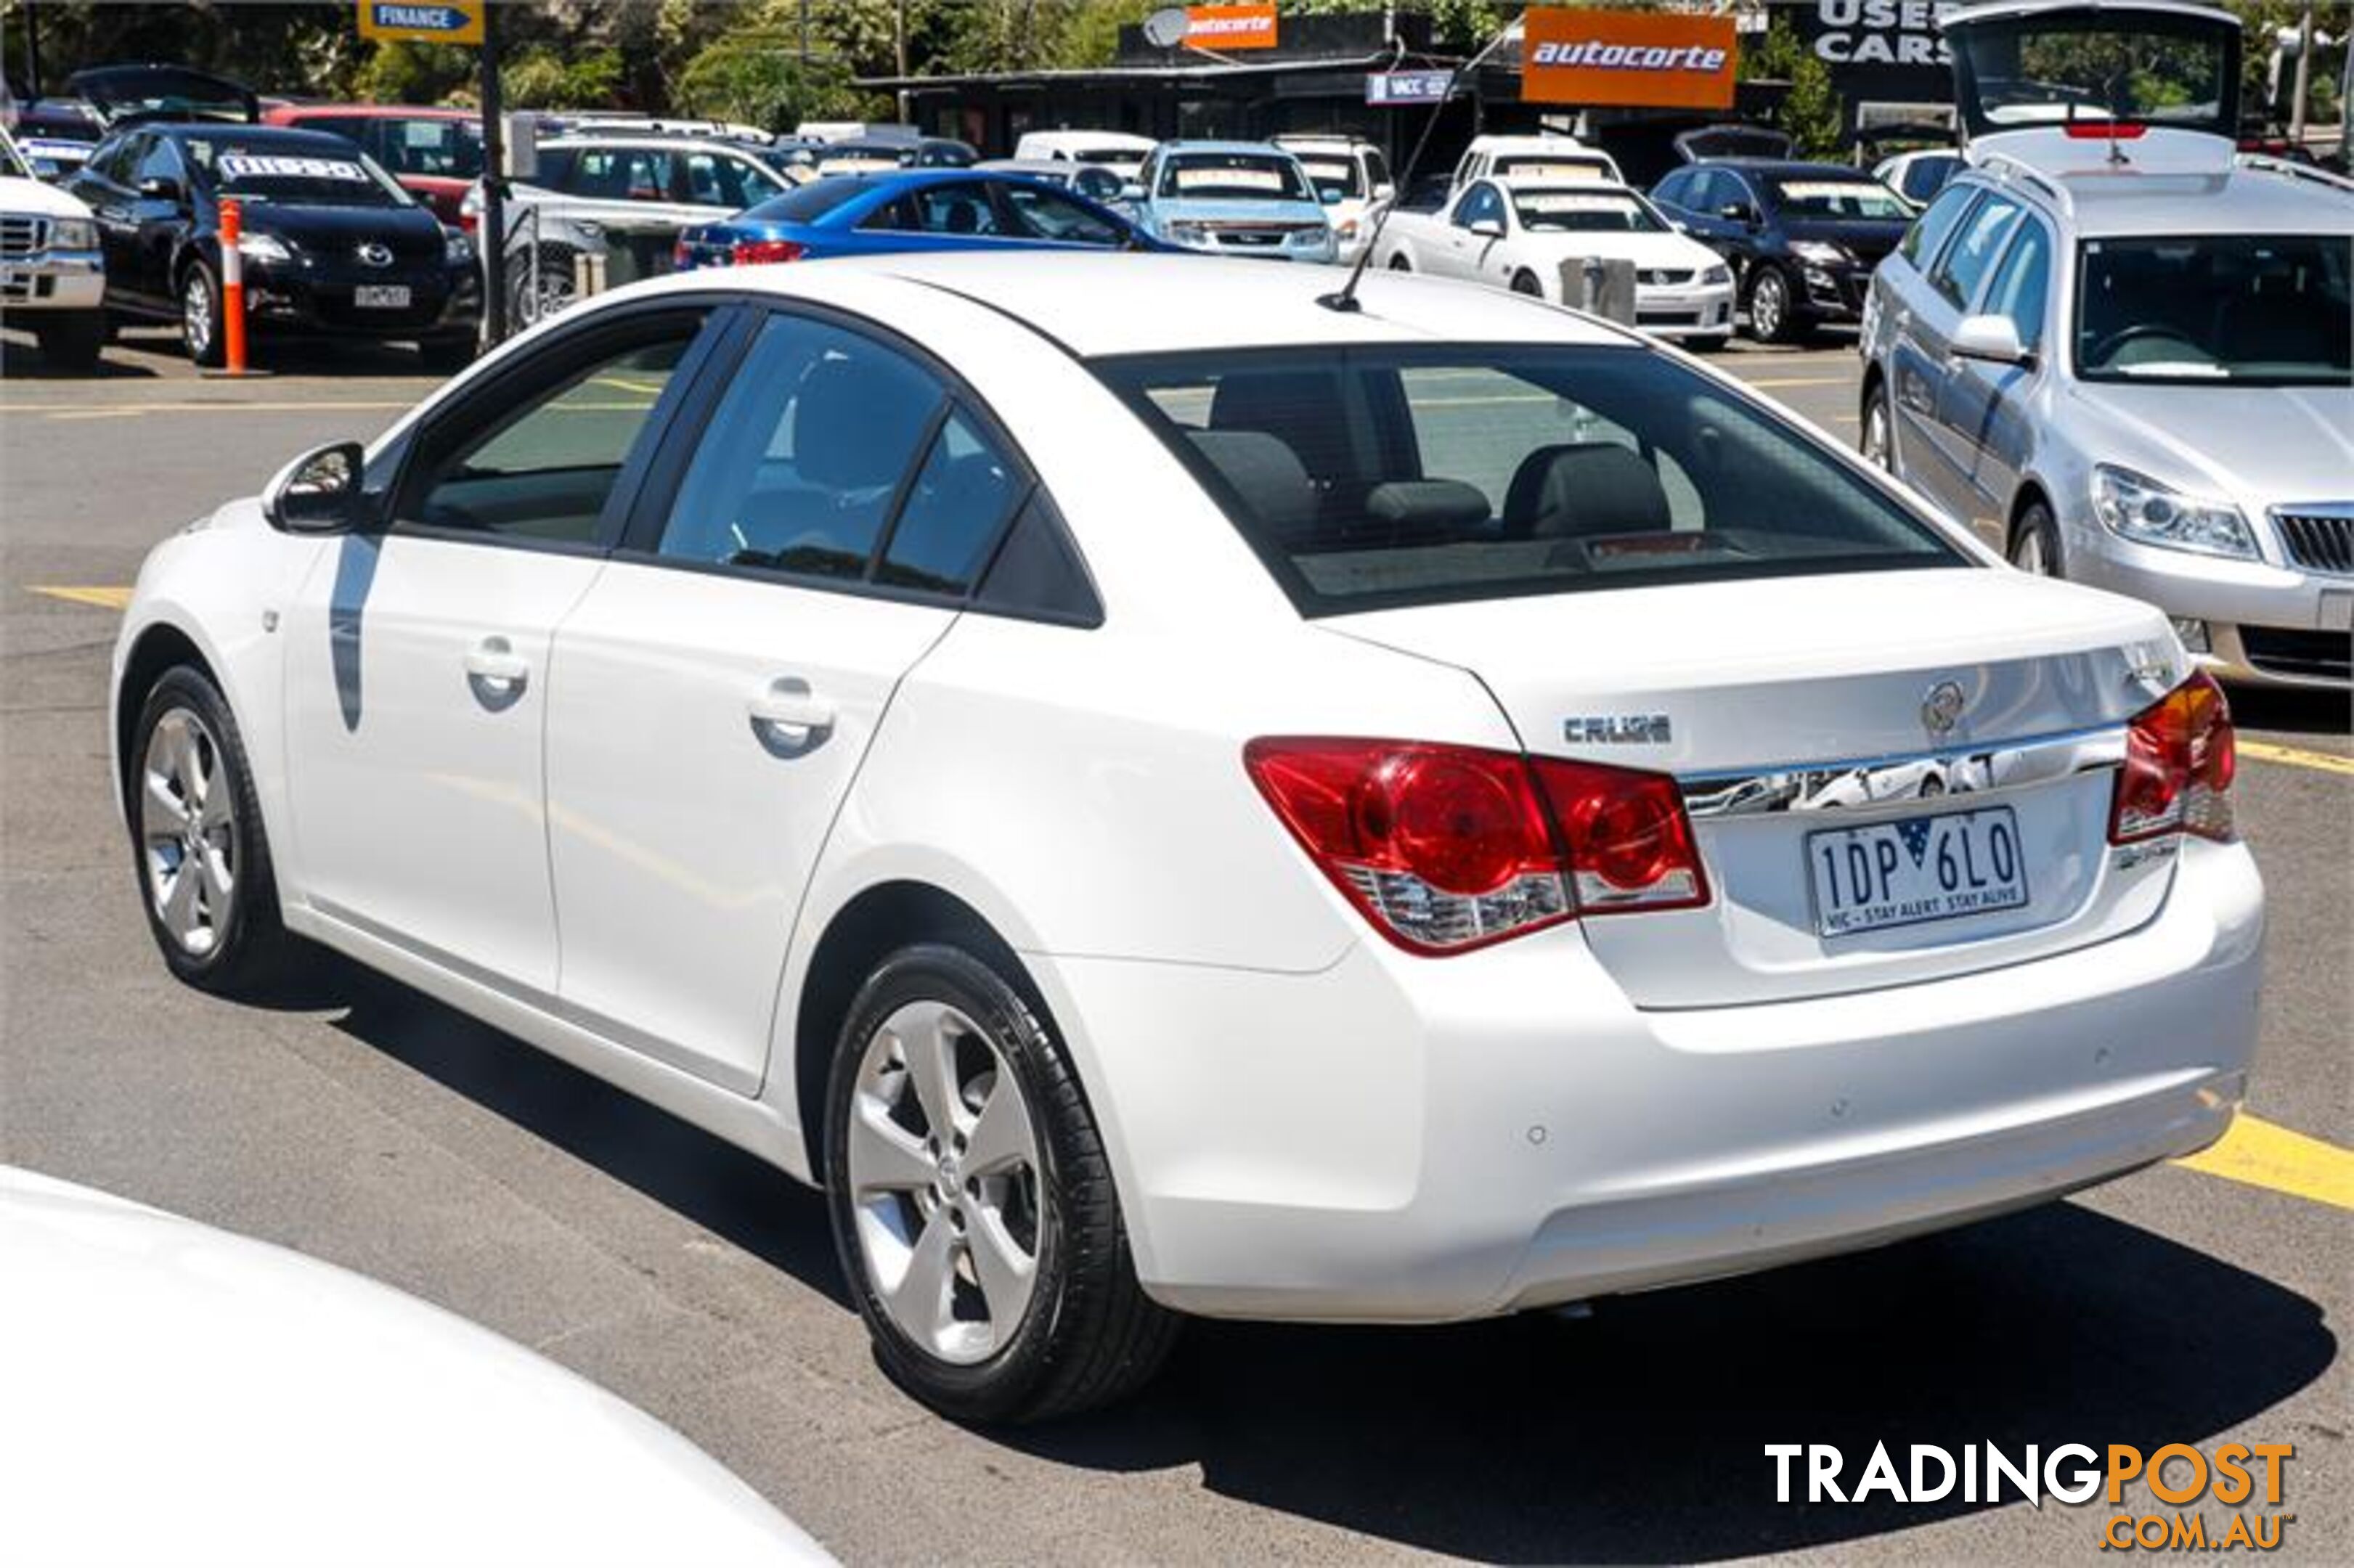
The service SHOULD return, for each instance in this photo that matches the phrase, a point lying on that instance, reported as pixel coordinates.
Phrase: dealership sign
(1887, 49)
(455, 22)
(1637, 58)
(1218, 28)
(1408, 87)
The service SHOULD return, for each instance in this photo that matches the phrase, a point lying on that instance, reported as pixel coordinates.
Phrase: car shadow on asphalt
(705, 1180)
(1635, 1436)
(1639, 1435)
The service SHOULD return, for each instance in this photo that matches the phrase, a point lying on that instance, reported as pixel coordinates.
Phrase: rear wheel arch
(879, 921)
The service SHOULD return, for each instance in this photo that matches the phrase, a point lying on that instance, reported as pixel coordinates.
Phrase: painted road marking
(103, 597)
(2297, 756)
(2262, 1155)
(1802, 381)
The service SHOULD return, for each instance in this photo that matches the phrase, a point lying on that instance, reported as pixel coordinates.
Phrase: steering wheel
(2105, 351)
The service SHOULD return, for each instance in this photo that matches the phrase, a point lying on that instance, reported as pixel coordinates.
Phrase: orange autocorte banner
(1221, 27)
(1646, 57)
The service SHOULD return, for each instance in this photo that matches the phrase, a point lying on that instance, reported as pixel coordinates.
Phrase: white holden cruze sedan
(1167, 797)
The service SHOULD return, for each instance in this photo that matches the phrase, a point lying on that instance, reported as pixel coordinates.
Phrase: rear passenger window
(1974, 248)
(1929, 230)
(953, 512)
(803, 457)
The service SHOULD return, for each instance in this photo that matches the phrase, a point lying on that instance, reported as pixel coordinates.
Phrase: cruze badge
(1618, 729)
(1942, 708)
(376, 255)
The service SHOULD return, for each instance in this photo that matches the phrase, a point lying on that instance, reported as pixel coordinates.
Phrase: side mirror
(1487, 227)
(1131, 192)
(1990, 338)
(1385, 191)
(1737, 212)
(160, 188)
(1329, 197)
(319, 493)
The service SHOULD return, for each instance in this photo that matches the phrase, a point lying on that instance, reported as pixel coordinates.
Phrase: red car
(435, 153)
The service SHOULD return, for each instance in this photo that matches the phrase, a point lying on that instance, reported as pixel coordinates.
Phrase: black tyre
(201, 332)
(71, 339)
(1773, 317)
(1526, 283)
(2035, 541)
(197, 844)
(972, 1200)
(1877, 436)
(1398, 263)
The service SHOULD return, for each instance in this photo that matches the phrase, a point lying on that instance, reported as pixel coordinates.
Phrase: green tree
(1811, 114)
(755, 76)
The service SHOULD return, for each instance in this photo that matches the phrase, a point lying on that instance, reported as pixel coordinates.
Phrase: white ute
(1166, 793)
(52, 276)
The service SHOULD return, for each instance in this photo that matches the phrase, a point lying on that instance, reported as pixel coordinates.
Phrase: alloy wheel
(944, 1182)
(187, 823)
(197, 312)
(2028, 554)
(1875, 434)
(1765, 306)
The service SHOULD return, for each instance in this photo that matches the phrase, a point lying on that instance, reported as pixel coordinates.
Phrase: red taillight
(751, 252)
(2180, 760)
(2105, 130)
(1446, 848)
(468, 221)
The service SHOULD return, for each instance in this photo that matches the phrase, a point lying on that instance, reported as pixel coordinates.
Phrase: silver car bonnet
(2257, 446)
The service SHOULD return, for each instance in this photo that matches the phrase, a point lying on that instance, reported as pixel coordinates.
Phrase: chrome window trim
(1993, 769)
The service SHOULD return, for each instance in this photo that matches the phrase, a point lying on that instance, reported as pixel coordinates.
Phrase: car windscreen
(291, 176)
(1814, 195)
(1373, 477)
(432, 147)
(806, 204)
(1334, 177)
(2047, 70)
(2264, 309)
(1233, 177)
(1584, 212)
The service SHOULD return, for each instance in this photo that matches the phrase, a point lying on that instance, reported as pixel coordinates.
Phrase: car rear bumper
(1401, 1139)
(2263, 624)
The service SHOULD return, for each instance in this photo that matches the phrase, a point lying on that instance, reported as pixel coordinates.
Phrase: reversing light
(2180, 757)
(1448, 848)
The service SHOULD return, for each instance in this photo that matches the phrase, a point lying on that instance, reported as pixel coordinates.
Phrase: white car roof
(1122, 140)
(1550, 142)
(1096, 305)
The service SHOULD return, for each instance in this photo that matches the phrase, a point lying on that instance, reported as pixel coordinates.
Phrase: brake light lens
(752, 252)
(1448, 848)
(2105, 130)
(2180, 757)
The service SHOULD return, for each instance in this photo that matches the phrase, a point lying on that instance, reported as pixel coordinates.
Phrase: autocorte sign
(451, 22)
(1626, 58)
(1221, 27)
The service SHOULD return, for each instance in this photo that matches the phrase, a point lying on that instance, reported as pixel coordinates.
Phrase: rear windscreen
(1371, 477)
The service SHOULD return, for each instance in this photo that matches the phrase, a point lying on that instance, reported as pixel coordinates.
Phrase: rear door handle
(787, 709)
(493, 662)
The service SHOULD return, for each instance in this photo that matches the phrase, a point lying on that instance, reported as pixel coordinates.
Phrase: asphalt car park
(360, 1122)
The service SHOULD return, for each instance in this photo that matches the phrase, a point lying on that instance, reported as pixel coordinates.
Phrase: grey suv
(2140, 374)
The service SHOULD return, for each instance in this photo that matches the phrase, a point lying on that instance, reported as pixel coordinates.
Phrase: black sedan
(332, 247)
(1802, 237)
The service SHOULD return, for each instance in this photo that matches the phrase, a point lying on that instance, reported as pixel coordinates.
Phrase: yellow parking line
(2262, 1155)
(103, 597)
(1803, 381)
(2297, 756)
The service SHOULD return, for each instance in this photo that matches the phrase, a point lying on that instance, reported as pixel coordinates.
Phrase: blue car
(1233, 198)
(908, 209)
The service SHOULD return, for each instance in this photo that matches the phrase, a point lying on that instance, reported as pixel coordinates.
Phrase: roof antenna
(1345, 299)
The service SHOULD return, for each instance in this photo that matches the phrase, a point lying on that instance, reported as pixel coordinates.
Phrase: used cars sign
(1626, 58)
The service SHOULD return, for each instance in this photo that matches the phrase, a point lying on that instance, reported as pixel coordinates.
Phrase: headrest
(1585, 488)
(1267, 475)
